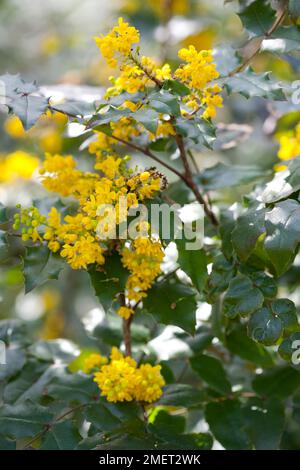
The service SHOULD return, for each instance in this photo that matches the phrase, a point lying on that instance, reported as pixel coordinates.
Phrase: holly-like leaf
(181, 395)
(110, 281)
(40, 264)
(73, 388)
(29, 108)
(239, 343)
(212, 372)
(242, 298)
(264, 423)
(24, 420)
(285, 309)
(194, 263)
(226, 422)
(172, 303)
(223, 176)
(148, 117)
(265, 327)
(279, 382)
(283, 184)
(283, 234)
(61, 436)
(250, 84)
(257, 18)
(106, 416)
(249, 227)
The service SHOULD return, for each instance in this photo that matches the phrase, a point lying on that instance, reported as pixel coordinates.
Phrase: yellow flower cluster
(79, 237)
(136, 73)
(118, 41)
(94, 361)
(123, 380)
(198, 73)
(289, 144)
(143, 260)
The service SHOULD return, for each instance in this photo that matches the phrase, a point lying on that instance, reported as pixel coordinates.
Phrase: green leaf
(265, 283)
(242, 298)
(164, 425)
(106, 416)
(176, 87)
(181, 395)
(193, 263)
(61, 350)
(284, 40)
(283, 234)
(239, 343)
(223, 176)
(257, 18)
(290, 347)
(3, 214)
(4, 252)
(285, 309)
(212, 372)
(219, 279)
(193, 441)
(294, 9)
(280, 382)
(62, 436)
(250, 84)
(201, 132)
(76, 108)
(110, 281)
(29, 108)
(40, 264)
(226, 422)
(112, 114)
(15, 360)
(264, 423)
(249, 227)
(31, 382)
(24, 420)
(283, 184)
(73, 388)
(164, 102)
(172, 304)
(148, 117)
(265, 327)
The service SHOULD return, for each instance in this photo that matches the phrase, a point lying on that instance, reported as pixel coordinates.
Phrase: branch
(148, 153)
(188, 178)
(266, 35)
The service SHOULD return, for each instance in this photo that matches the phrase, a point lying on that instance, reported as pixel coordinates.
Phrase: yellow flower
(143, 260)
(117, 380)
(149, 383)
(118, 41)
(122, 380)
(94, 361)
(289, 144)
(14, 127)
(18, 164)
(125, 312)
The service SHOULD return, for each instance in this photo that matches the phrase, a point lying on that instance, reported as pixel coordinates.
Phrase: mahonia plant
(165, 114)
